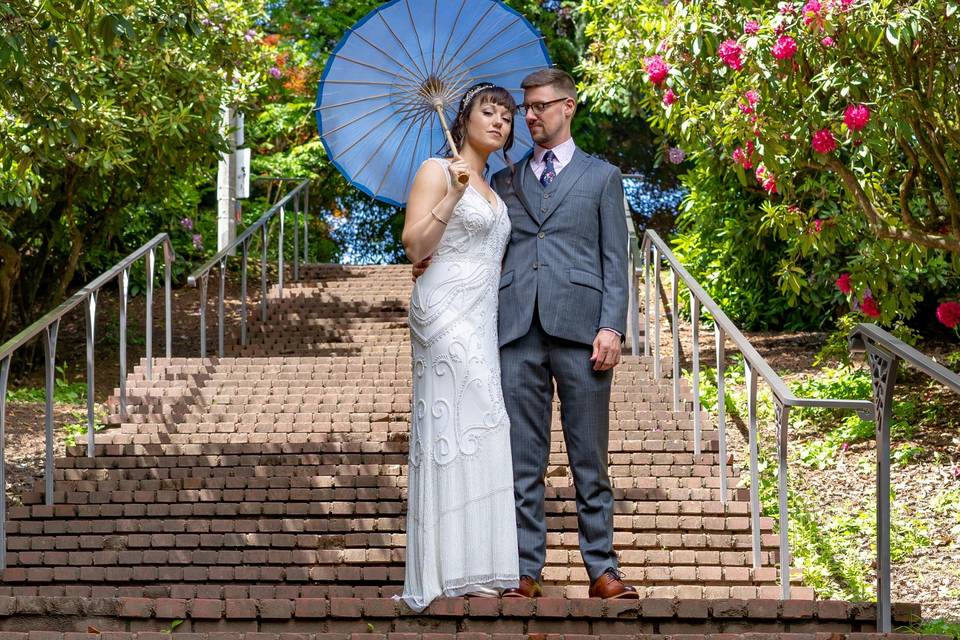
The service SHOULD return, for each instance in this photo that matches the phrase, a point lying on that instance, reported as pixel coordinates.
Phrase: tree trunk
(9, 273)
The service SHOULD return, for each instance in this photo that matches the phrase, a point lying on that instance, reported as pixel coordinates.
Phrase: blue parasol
(398, 72)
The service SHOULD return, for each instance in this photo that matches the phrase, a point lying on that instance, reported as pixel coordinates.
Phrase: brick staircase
(264, 492)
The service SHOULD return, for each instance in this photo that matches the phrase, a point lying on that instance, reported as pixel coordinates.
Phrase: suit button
(541, 235)
(543, 209)
(536, 265)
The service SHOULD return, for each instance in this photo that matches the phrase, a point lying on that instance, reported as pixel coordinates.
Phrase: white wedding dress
(461, 520)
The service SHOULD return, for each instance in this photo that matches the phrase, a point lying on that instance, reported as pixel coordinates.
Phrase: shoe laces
(616, 573)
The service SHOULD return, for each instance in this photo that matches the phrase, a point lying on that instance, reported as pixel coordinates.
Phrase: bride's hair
(478, 94)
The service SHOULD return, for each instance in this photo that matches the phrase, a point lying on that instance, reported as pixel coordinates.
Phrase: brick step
(340, 533)
(75, 549)
(291, 477)
(334, 618)
(240, 590)
(459, 635)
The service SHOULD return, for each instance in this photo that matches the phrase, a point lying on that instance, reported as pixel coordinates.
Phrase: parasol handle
(462, 178)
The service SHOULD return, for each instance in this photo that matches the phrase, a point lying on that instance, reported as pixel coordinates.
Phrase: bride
(461, 521)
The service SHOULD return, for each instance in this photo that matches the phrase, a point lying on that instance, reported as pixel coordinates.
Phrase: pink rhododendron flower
(785, 47)
(813, 14)
(788, 9)
(751, 27)
(856, 116)
(827, 41)
(752, 97)
(818, 225)
(657, 69)
(823, 141)
(675, 155)
(742, 158)
(948, 313)
(730, 52)
(869, 307)
(669, 97)
(843, 283)
(766, 179)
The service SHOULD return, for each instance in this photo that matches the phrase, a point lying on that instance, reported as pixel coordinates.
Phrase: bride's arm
(429, 208)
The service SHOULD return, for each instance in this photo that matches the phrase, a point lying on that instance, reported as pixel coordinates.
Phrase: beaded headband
(474, 91)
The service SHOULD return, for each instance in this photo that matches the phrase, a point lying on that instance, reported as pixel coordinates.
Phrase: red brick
(276, 609)
(729, 608)
(797, 609)
(170, 608)
(310, 608)
(136, 607)
(586, 607)
(763, 609)
(656, 608)
(346, 607)
(447, 607)
(206, 609)
(549, 607)
(484, 607)
(693, 609)
(833, 610)
(241, 609)
(517, 607)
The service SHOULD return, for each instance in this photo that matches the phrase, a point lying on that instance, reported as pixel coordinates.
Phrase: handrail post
(220, 305)
(168, 295)
(695, 364)
(283, 216)
(4, 377)
(783, 423)
(50, 371)
(263, 273)
(203, 315)
(675, 316)
(91, 363)
(632, 297)
(883, 375)
(646, 299)
(124, 284)
(296, 237)
(306, 224)
(656, 313)
(151, 258)
(719, 348)
(751, 380)
(243, 293)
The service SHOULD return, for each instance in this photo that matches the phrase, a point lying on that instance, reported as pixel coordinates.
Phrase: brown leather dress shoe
(529, 588)
(610, 586)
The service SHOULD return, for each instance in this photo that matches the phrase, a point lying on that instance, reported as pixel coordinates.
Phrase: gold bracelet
(438, 218)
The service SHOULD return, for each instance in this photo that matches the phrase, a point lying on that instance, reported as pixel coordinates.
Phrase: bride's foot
(484, 592)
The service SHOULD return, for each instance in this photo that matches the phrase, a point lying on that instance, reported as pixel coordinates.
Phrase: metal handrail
(49, 326)
(884, 353)
(299, 193)
(654, 250)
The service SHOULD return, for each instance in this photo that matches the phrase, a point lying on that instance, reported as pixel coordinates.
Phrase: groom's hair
(559, 79)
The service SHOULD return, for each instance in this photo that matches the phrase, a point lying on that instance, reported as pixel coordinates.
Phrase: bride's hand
(459, 175)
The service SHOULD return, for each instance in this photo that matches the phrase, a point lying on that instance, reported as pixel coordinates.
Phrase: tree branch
(877, 221)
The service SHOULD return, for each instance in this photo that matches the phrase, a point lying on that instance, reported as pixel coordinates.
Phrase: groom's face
(552, 125)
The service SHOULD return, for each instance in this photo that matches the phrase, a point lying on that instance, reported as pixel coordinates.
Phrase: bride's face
(489, 126)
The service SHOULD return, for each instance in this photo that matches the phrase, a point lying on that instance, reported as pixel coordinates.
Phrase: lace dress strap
(443, 162)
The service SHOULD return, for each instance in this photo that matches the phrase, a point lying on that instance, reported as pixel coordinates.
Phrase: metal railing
(300, 194)
(49, 326)
(884, 353)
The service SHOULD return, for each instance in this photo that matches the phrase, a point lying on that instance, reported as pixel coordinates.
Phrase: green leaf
(892, 37)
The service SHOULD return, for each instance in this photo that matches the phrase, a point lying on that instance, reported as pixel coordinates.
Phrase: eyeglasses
(537, 107)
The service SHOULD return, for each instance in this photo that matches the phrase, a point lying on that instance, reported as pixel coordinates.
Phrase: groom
(562, 314)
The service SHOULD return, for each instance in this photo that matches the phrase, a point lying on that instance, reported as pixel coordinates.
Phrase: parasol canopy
(382, 86)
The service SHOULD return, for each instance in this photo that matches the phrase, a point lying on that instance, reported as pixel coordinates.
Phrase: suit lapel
(519, 183)
(565, 181)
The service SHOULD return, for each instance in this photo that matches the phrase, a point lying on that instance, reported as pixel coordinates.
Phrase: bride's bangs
(498, 96)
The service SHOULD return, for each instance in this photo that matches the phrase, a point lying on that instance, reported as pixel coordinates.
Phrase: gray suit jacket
(567, 253)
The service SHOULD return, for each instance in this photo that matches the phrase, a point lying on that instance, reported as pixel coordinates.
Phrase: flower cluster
(657, 69)
(823, 141)
(948, 313)
(766, 179)
(731, 53)
(856, 116)
(785, 48)
(744, 155)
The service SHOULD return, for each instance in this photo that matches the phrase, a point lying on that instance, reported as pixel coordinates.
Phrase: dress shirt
(563, 154)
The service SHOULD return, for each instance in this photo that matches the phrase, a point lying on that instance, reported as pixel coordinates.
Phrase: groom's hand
(420, 267)
(606, 350)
